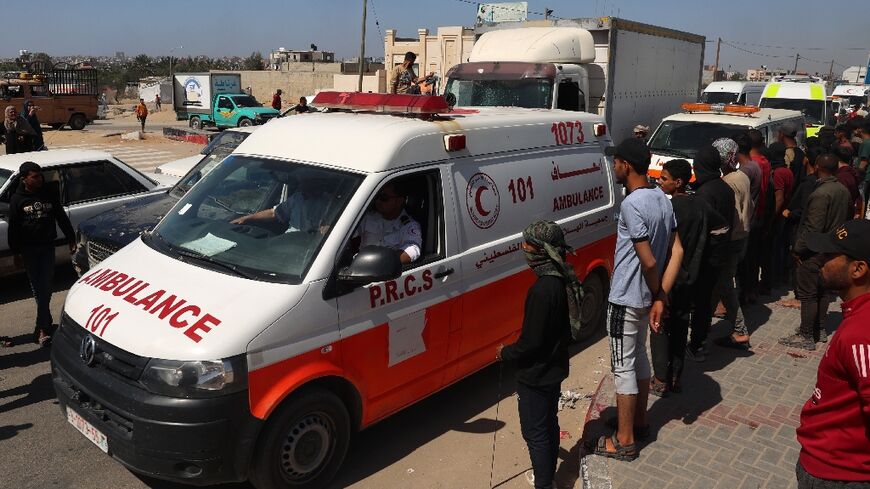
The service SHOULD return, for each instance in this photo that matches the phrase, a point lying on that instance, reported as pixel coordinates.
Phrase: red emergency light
(382, 102)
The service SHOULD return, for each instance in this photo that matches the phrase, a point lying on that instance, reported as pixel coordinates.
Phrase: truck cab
(240, 110)
(535, 67)
(64, 97)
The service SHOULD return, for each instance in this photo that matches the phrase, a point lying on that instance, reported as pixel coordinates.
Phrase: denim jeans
(807, 481)
(539, 423)
(39, 264)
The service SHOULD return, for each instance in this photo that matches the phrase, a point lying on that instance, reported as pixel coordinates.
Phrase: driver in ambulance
(302, 211)
(388, 225)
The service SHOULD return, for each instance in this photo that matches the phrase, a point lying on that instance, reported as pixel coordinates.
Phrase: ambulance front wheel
(303, 444)
(593, 308)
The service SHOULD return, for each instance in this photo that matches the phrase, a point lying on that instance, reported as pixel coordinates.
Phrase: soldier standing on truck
(141, 113)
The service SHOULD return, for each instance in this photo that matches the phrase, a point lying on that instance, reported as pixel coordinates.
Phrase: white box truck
(216, 99)
(629, 72)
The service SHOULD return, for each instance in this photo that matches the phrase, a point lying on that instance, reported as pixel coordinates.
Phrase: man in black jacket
(33, 211)
(826, 210)
(541, 353)
(710, 187)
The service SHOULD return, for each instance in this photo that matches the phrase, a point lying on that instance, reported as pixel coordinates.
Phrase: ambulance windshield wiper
(207, 259)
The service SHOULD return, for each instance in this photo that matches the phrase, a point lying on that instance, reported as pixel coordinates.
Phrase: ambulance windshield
(685, 138)
(257, 218)
(813, 110)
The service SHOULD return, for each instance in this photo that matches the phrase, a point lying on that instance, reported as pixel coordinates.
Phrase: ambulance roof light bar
(721, 108)
(382, 102)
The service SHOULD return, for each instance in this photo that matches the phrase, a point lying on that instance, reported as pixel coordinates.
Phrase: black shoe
(696, 354)
(798, 341)
(821, 336)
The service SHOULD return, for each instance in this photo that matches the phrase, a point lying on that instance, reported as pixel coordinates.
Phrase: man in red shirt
(835, 421)
(276, 99)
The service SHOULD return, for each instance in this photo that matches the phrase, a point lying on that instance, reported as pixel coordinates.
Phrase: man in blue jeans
(33, 211)
(541, 354)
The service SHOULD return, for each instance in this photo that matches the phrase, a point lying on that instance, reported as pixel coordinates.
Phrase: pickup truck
(64, 96)
(216, 99)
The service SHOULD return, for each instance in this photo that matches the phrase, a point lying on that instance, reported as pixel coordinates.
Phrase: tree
(254, 62)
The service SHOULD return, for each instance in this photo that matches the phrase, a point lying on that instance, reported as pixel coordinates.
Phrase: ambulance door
(396, 334)
(499, 198)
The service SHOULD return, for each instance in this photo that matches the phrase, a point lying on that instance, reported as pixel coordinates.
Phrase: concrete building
(436, 53)
(855, 74)
(284, 56)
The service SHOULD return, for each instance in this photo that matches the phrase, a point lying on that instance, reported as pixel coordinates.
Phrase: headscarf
(727, 148)
(8, 120)
(707, 166)
(549, 238)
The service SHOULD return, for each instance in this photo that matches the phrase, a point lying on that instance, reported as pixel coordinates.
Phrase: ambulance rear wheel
(593, 308)
(303, 444)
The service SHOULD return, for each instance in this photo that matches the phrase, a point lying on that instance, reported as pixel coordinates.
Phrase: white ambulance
(807, 97)
(210, 351)
(682, 135)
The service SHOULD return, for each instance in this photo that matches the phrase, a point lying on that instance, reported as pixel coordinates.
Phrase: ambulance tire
(303, 444)
(593, 309)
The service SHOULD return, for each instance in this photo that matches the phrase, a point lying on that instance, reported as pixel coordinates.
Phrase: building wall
(436, 53)
(293, 84)
(371, 83)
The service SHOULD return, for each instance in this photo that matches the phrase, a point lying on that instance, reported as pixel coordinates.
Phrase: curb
(593, 470)
(187, 135)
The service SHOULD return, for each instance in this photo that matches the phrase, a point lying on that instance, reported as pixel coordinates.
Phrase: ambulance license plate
(87, 429)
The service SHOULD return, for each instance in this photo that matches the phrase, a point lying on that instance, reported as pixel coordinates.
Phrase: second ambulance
(223, 347)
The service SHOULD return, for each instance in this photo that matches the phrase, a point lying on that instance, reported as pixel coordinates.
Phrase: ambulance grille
(112, 359)
(99, 251)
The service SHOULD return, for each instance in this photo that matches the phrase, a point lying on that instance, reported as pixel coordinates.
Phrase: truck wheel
(303, 444)
(77, 122)
(195, 123)
(593, 309)
(245, 122)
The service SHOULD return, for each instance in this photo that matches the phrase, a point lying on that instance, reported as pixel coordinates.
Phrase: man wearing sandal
(647, 259)
(835, 421)
(33, 211)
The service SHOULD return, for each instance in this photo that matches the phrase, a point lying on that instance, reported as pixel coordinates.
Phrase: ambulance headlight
(200, 378)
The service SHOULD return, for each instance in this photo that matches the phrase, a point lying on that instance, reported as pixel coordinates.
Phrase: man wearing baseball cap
(835, 421)
(646, 240)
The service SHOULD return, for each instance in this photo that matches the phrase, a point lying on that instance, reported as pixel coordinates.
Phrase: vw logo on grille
(88, 350)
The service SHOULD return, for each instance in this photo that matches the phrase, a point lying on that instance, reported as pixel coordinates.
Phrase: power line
(797, 48)
(377, 20)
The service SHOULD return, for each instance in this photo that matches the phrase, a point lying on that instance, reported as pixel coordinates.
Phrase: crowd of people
(744, 219)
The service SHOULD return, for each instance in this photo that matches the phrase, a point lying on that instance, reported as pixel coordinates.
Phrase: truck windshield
(719, 97)
(214, 225)
(532, 93)
(685, 138)
(813, 110)
(246, 101)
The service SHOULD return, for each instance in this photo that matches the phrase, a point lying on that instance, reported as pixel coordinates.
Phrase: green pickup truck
(216, 99)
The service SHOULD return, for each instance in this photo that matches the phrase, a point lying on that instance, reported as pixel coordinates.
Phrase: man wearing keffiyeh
(552, 309)
(16, 131)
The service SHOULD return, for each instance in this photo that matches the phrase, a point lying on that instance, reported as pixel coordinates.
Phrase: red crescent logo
(480, 209)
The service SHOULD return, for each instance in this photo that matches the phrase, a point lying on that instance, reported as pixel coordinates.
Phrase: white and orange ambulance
(210, 351)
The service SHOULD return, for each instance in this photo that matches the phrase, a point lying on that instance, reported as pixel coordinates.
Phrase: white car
(217, 149)
(90, 182)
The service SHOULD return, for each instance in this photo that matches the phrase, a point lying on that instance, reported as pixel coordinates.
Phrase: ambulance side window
(423, 204)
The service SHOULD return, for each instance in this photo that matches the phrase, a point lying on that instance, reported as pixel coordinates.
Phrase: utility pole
(362, 48)
(796, 58)
(831, 75)
(716, 64)
(547, 13)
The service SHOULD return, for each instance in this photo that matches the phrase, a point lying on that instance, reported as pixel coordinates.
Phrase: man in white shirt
(390, 226)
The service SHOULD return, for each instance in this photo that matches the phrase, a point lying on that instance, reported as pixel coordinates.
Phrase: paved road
(142, 158)
(442, 442)
(733, 427)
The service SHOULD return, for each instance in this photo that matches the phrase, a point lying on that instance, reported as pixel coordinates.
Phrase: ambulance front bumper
(194, 441)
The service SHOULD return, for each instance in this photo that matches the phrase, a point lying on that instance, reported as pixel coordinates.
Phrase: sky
(754, 32)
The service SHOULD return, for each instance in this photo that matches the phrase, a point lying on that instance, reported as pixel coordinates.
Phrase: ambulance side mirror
(372, 264)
